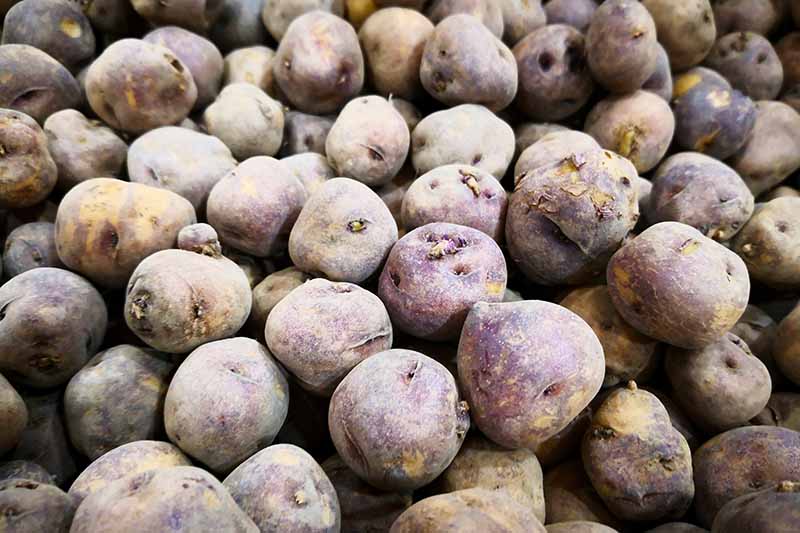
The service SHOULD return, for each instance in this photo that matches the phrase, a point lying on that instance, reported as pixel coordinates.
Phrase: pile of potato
(406, 266)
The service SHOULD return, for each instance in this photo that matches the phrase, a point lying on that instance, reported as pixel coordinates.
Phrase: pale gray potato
(253, 65)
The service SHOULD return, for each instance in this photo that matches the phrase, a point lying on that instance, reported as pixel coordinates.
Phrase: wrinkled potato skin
(277, 15)
(30, 246)
(749, 62)
(54, 321)
(575, 13)
(253, 65)
(787, 346)
(463, 63)
(319, 65)
(637, 126)
(468, 510)
(552, 148)
(770, 243)
(490, 14)
(30, 506)
(569, 496)
(118, 397)
(13, 416)
(770, 510)
(554, 80)
(27, 170)
(24, 470)
(282, 488)
(741, 461)
(685, 29)
(629, 355)
(523, 383)
(38, 86)
(393, 40)
(373, 407)
(136, 86)
(782, 410)
(194, 15)
(660, 82)
(127, 460)
(677, 286)
(639, 464)
(757, 16)
(83, 148)
(185, 498)
(566, 442)
(305, 133)
(105, 227)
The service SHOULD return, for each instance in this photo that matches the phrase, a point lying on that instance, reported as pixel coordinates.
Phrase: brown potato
(749, 62)
(782, 410)
(788, 50)
(770, 510)
(195, 15)
(569, 496)
(305, 133)
(787, 346)
(552, 148)
(566, 442)
(677, 527)
(27, 170)
(13, 416)
(310, 168)
(679, 419)
(253, 65)
(780, 192)
(685, 29)
(575, 13)
(277, 15)
(30, 506)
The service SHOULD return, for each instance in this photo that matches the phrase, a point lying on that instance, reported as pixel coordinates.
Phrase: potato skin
(30, 506)
(118, 397)
(575, 13)
(304, 133)
(310, 168)
(521, 17)
(677, 286)
(758, 330)
(503, 371)
(782, 410)
(253, 65)
(685, 29)
(579, 527)
(569, 496)
(553, 147)
(30, 246)
(749, 62)
(277, 15)
(319, 65)
(528, 133)
(195, 15)
(566, 442)
(27, 171)
(239, 25)
(741, 461)
(787, 346)
(105, 227)
(282, 488)
(266, 295)
(13, 416)
(770, 510)
(373, 407)
(758, 16)
(20, 469)
(678, 527)
(490, 14)
(660, 82)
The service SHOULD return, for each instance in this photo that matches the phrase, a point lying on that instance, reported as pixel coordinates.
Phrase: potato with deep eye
(550, 148)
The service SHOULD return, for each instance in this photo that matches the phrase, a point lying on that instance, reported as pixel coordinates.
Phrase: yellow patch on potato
(70, 28)
(623, 284)
(684, 84)
(413, 463)
(719, 98)
(494, 288)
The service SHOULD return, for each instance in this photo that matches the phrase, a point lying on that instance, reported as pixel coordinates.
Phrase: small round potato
(304, 133)
(686, 29)
(771, 510)
(277, 15)
(660, 82)
(749, 63)
(552, 148)
(195, 15)
(239, 25)
(310, 168)
(490, 14)
(24, 470)
(13, 416)
(575, 13)
(253, 65)
(30, 506)
(27, 171)
(521, 17)
(569, 496)
(787, 346)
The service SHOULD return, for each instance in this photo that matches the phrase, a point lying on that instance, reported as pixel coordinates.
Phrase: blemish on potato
(71, 28)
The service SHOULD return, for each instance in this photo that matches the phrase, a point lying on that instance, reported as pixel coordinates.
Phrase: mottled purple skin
(749, 63)
(677, 286)
(660, 82)
(180, 160)
(227, 400)
(374, 408)
(569, 496)
(575, 13)
(566, 219)
(701, 192)
(364, 509)
(787, 346)
(774, 509)
(458, 194)
(621, 45)
(24, 470)
(282, 488)
(319, 65)
(181, 498)
(524, 384)
(490, 14)
(277, 15)
(721, 386)
(344, 232)
(200, 56)
(27, 505)
(757, 16)
(195, 15)
(304, 133)
(321, 330)
(782, 410)
(520, 17)
(741, 461)
(552, 148)
(435, 274)
(83, 148)
(118, 397)
(30, 246)
(239, 25)
(554, 79)
(255, 206)
(200, 238)
(686, 29)
(27, 170)
(39, 85)
(310, 168)
(463, 63)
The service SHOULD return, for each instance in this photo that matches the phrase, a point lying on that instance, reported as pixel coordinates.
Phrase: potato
(277, 15)
(773, 509)
(701, 192)
(255, 269)
(566, 442)
(392, 194)
(185, 162)
(758, 330)
(569, 496)
(56, 27)
(359, 10)
(53, 322)
(38, 85)
(463, 63)
(677, 527)
(554, 81)
(13, 416)
(770, 243)
(490, 14)
(741, 461)
(749, 62)
(639, 464)
(311, 169)
(24, 470)
(468, 134)
(458, 194)
(83, 148)
(629, 355)
(575, 13)
(660, 82)
(30, 506)
(364, 509)
(27, 170)
(780, 192)
(200, 56)
(410, 113)
(566, 219)
(239, 25)
(344, 232)
(680, 421)
(253, 65)
(319, 65)
(247, 120)
(686, 30)
(112, 16)
(368, 142)
(638, 126)
(178, 299)
(579, 527)
(195, 15)
(552, 148)
(773, 150)
(105, 227)
(521, 17)
(482, 464)
(782, 410)
(787, 346)
(127, 460)
(393, 40)
(305, 133)
(470, 511)
(528, 133)
(373, 408)
(621, 45)
(181, 498)
(506, 365)
(30, 246)
(255, 206)
(118, 397)
(677, 286)
(434, 275)
(758, 16)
